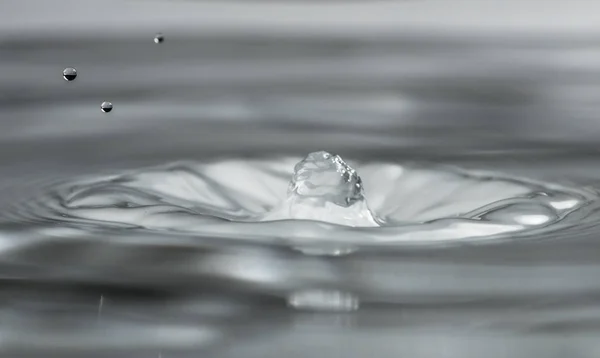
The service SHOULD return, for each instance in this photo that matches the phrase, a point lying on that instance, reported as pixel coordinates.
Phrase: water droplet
(323, 300)
(106, 107)
(159, 38)
(69, 74)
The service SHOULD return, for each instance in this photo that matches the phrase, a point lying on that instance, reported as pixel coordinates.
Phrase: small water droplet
(106, 107)
(323, 300)
(159, 38)
(69, 74)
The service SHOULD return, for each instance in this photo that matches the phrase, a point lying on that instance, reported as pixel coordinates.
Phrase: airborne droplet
(106, 107)
(69, 74)
(159, 38)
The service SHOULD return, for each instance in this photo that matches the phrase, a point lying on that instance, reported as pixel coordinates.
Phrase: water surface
(96, 261)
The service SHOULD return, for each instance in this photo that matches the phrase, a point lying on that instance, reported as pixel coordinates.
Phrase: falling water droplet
(159, 38)
(69, 74)
(106, 107)
(323, 300)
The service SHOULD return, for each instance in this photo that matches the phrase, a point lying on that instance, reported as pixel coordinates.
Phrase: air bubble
(69, 74)
(106, 107)
(159, 38)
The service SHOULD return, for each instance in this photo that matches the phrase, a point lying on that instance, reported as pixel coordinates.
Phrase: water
(159, 38)
(325, 188)
(327, 301)
(106, 107)
(324, 203)
(169, 227)
(69, 74)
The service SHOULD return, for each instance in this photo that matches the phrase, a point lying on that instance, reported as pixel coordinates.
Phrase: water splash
(326, 177)
(325, 188)
(317, 202)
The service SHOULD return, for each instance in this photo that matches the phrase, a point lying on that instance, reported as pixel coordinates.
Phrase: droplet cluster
(70, 74)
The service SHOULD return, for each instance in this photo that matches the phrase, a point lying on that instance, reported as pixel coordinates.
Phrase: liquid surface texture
(193, 220)
(324, 200)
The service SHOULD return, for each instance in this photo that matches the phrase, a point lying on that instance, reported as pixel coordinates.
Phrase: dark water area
(524, 107)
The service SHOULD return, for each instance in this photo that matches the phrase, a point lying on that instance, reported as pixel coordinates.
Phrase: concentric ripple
(250, 199)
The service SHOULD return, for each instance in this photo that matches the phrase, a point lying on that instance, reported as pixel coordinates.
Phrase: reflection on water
(92, 206)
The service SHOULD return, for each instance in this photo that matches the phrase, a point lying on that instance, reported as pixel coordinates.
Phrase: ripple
(248, 200)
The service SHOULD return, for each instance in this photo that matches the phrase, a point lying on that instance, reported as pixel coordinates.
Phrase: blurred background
(510, 86)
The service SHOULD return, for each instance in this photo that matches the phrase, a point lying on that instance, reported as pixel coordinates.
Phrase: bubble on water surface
(159, 38)
(69, 74)
(106, 107)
